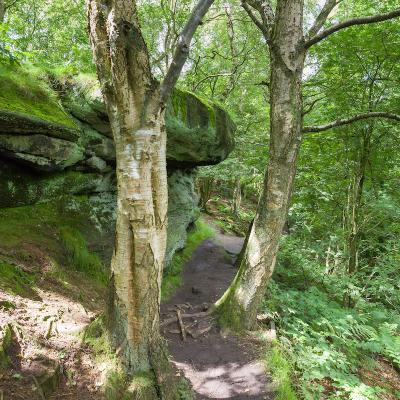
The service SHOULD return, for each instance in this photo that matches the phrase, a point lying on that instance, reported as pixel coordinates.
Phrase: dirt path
(219, 366)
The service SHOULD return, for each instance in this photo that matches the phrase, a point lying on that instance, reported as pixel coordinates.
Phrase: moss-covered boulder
(20, 187)
(182, 208)
(43, 153)
(57, 154)
(198, 132)
(29, 105)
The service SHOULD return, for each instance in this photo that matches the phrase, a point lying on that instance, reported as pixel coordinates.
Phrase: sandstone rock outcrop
(56, 146)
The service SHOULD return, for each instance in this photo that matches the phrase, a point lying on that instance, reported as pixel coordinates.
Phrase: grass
(80, 256)
(173, 276)
(47, 235)
(15, 281)
(280, 370)
(22, 90)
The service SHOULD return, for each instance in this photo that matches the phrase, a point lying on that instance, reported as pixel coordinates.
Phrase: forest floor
(218, 364)
(49, 358)
(50, 311)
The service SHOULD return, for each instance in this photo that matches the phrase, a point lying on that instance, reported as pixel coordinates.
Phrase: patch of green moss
(16, 281)
(185, 391)
(172, 278)
(80, 256)
(198, 131)
(5, 343)
(23, 91)
(28, 232)
(183, 102)
(19, 187)
(96, 336)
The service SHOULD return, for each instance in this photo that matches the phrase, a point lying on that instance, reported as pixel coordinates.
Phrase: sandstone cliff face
(57, 160)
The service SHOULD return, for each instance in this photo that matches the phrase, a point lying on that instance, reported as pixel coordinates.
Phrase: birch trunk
(135, 106)
(237, 196)
(238, 306)
(133, 103)
(140, 242)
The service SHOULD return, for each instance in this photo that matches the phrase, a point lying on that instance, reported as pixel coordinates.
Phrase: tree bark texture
(239, 305)
(132, 98)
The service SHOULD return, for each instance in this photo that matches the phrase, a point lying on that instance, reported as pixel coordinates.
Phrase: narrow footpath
(218, 365)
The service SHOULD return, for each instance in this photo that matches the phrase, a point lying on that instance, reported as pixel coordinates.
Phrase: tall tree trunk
(140, 240)
(2, 11)
(238, 306)
(356, 201)
(133, 103)
(205, 185)
(237, 196)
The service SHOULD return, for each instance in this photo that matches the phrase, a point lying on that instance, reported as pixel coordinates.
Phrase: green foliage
(172, 278)
(279, 367)
(49, 33)
(16, 281)
(22, 94)
(80, 256)
(326, 341)
(185, 392)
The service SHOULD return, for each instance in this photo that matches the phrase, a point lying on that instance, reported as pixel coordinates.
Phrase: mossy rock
(19, 186)
(41, 152)
(29, 105)
(182, 209)
(198, 132)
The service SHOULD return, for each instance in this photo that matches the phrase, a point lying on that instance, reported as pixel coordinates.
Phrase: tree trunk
(205, 186)
(133, 103)
(140, 241)
(237, 197)
(239, 305)
(356, 201)
(2, 11)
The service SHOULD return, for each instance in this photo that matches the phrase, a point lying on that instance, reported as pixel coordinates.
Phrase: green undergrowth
(173, 276)
(80, 256)
(326, 343)
(54, 233)
(114, 379)
(24, 90)
(16, 281)
(280, 369)
(221, 210)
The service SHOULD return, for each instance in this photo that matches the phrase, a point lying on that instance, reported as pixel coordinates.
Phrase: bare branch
(211, 77)
(351, 22)
(265, 9)
(256, 21)
(346, 121)
(322, 17)
(182, 49)
(311, 106)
